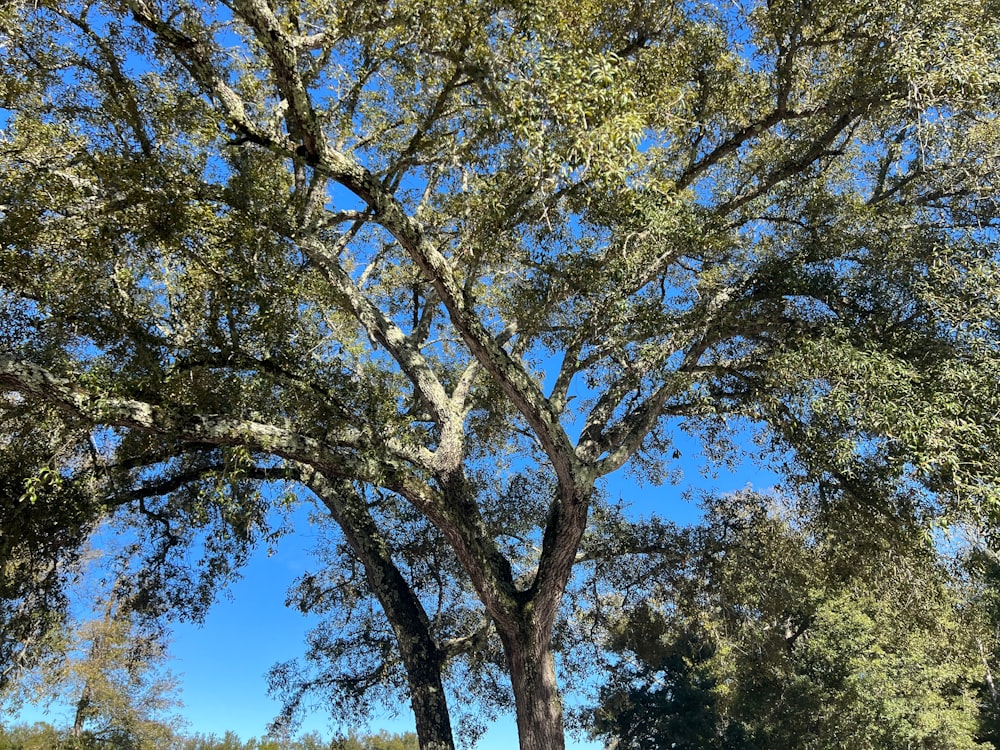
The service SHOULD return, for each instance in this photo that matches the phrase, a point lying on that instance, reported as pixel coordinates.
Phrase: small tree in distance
(397, 253)
(110, 674)
(45, 737)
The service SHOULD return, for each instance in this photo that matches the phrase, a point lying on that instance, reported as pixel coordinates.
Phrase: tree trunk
(94, 654)
(524, 618)
(427, 696)
(80, 714)
(421, 656)
(536, 692)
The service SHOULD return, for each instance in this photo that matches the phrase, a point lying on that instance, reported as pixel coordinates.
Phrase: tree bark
(422, 658)
(80, 712)
(528, 646)
(524, 618)
(536, 692)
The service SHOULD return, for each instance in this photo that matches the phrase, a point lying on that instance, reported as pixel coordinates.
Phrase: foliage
(381, 741)
(400, 253)
(109, 672)
(45, 737)
(46, 518)
(982, 567)
(40, 736)
(777, 632)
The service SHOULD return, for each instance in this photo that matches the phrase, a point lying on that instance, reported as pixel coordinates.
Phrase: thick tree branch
(626, 436)
(383, 330)
(282, 50)
(796, 164)
(213, 429)
(196, 56)
(472, 643)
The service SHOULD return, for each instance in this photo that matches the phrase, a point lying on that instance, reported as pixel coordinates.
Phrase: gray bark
(536, 692)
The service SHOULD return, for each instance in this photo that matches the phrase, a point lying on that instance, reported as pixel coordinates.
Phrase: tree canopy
(42, 736)
(403, 254)
(781, 629)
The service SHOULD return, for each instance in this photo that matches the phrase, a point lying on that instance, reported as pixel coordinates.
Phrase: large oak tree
(395, 251)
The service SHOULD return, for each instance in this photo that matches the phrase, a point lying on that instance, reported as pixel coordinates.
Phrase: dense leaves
(777, 632)
(46, 518)
(46, 737)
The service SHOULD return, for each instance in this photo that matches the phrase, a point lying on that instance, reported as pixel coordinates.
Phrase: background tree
(45, 737)
(381, 741)
(40, 736)
(784, 630)
(110, 674)
(388, 250)
(982, 569)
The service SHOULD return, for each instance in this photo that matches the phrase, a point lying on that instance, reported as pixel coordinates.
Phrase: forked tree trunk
(527, 634)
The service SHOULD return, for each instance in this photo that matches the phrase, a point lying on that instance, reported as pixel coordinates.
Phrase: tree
(387, 250)
(780, 632)
(109, 672)
(45, 737)
(37, 737)
(381, 741)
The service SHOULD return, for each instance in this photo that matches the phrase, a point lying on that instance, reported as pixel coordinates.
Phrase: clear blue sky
(222, 664)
